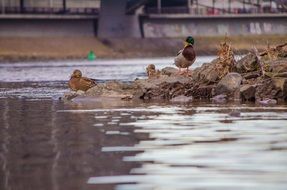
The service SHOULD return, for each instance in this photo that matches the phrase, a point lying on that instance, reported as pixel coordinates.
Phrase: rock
(251, 75)
(165, 91)
(200, 91)
(69, 96)
(80, 92)
(182, 99)
(284, 74)
(114, 89)
(207, 73)
(266, 90)
(181, 79)
(234, 113)
(114, 85)
(247, 92)
(164, 87)
(222, 98)
(212, 77)
(278, 66)
(281, 83)
(169, 71)
(155, 83)
(283, 51)
(268, 102)
(228, 84)
(247, 64)
(127, 97)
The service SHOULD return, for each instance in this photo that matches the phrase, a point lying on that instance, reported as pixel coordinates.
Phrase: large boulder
(165, 87)
(247, 64)
(169, 71)
(228, 84)
(247, 92)
(281, 83)
(199, 91)
(207, 73)
(272, 88)
(266, 89)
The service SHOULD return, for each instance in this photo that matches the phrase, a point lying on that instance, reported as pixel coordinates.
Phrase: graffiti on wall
(181, 29)
(260, 28)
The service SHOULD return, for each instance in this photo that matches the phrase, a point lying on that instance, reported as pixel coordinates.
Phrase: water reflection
(50, 145)
(44, 149)
(198, 150)
(5, 146)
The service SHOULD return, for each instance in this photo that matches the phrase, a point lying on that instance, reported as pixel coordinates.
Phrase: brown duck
(186, 57)
(152, 72)
(77, 82)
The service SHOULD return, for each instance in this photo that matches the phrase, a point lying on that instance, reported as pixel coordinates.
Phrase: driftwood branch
(276, 48)
(259, 60)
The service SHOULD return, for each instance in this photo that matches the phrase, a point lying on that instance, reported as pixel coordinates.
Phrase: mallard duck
(151, 71)
(77, 82)
(185, 57)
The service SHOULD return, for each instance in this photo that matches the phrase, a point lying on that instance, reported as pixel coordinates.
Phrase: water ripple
(205, 148)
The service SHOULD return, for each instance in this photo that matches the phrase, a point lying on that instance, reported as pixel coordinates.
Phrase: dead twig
(276, 48)
(226, 59)
(258, 59)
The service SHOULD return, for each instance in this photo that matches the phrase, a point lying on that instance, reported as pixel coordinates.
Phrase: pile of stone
(260, 77)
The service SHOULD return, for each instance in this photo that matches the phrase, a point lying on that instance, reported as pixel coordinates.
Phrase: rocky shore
(260, 77)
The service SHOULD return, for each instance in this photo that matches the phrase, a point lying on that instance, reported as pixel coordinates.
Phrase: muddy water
(95, 144)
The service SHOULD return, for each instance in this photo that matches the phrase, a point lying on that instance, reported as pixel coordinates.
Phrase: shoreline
(19, 49)
(256, 77)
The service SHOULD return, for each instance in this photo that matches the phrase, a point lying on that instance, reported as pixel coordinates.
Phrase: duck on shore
(77, 82)
(152, 72)
(186, 56)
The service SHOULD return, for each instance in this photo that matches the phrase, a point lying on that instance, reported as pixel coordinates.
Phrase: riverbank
(57, 48)
(257, 77)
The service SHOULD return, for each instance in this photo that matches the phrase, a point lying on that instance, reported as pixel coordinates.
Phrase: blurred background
(59, 29)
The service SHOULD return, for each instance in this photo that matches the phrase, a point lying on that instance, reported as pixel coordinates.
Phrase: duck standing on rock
(77, 82)
(185, 57)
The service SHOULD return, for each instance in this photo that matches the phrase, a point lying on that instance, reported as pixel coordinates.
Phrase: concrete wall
(113, 22)
(212, 26)
(47, 27)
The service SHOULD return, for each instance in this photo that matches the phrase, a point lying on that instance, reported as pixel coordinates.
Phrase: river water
(46, 144)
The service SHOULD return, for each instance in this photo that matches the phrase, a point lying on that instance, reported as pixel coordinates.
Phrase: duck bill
(186, 44)
(75, 76)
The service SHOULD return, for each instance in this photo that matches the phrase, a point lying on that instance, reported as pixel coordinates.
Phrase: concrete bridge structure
(141, 18)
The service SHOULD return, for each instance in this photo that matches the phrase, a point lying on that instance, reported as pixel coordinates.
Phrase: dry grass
(241, 44)
(19, 48)
(51, 47)
(226, 58)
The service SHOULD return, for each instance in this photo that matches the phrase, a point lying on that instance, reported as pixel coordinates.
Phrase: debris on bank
(260, 77)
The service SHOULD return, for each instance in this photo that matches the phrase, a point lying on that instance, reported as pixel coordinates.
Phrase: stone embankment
(260, 77)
